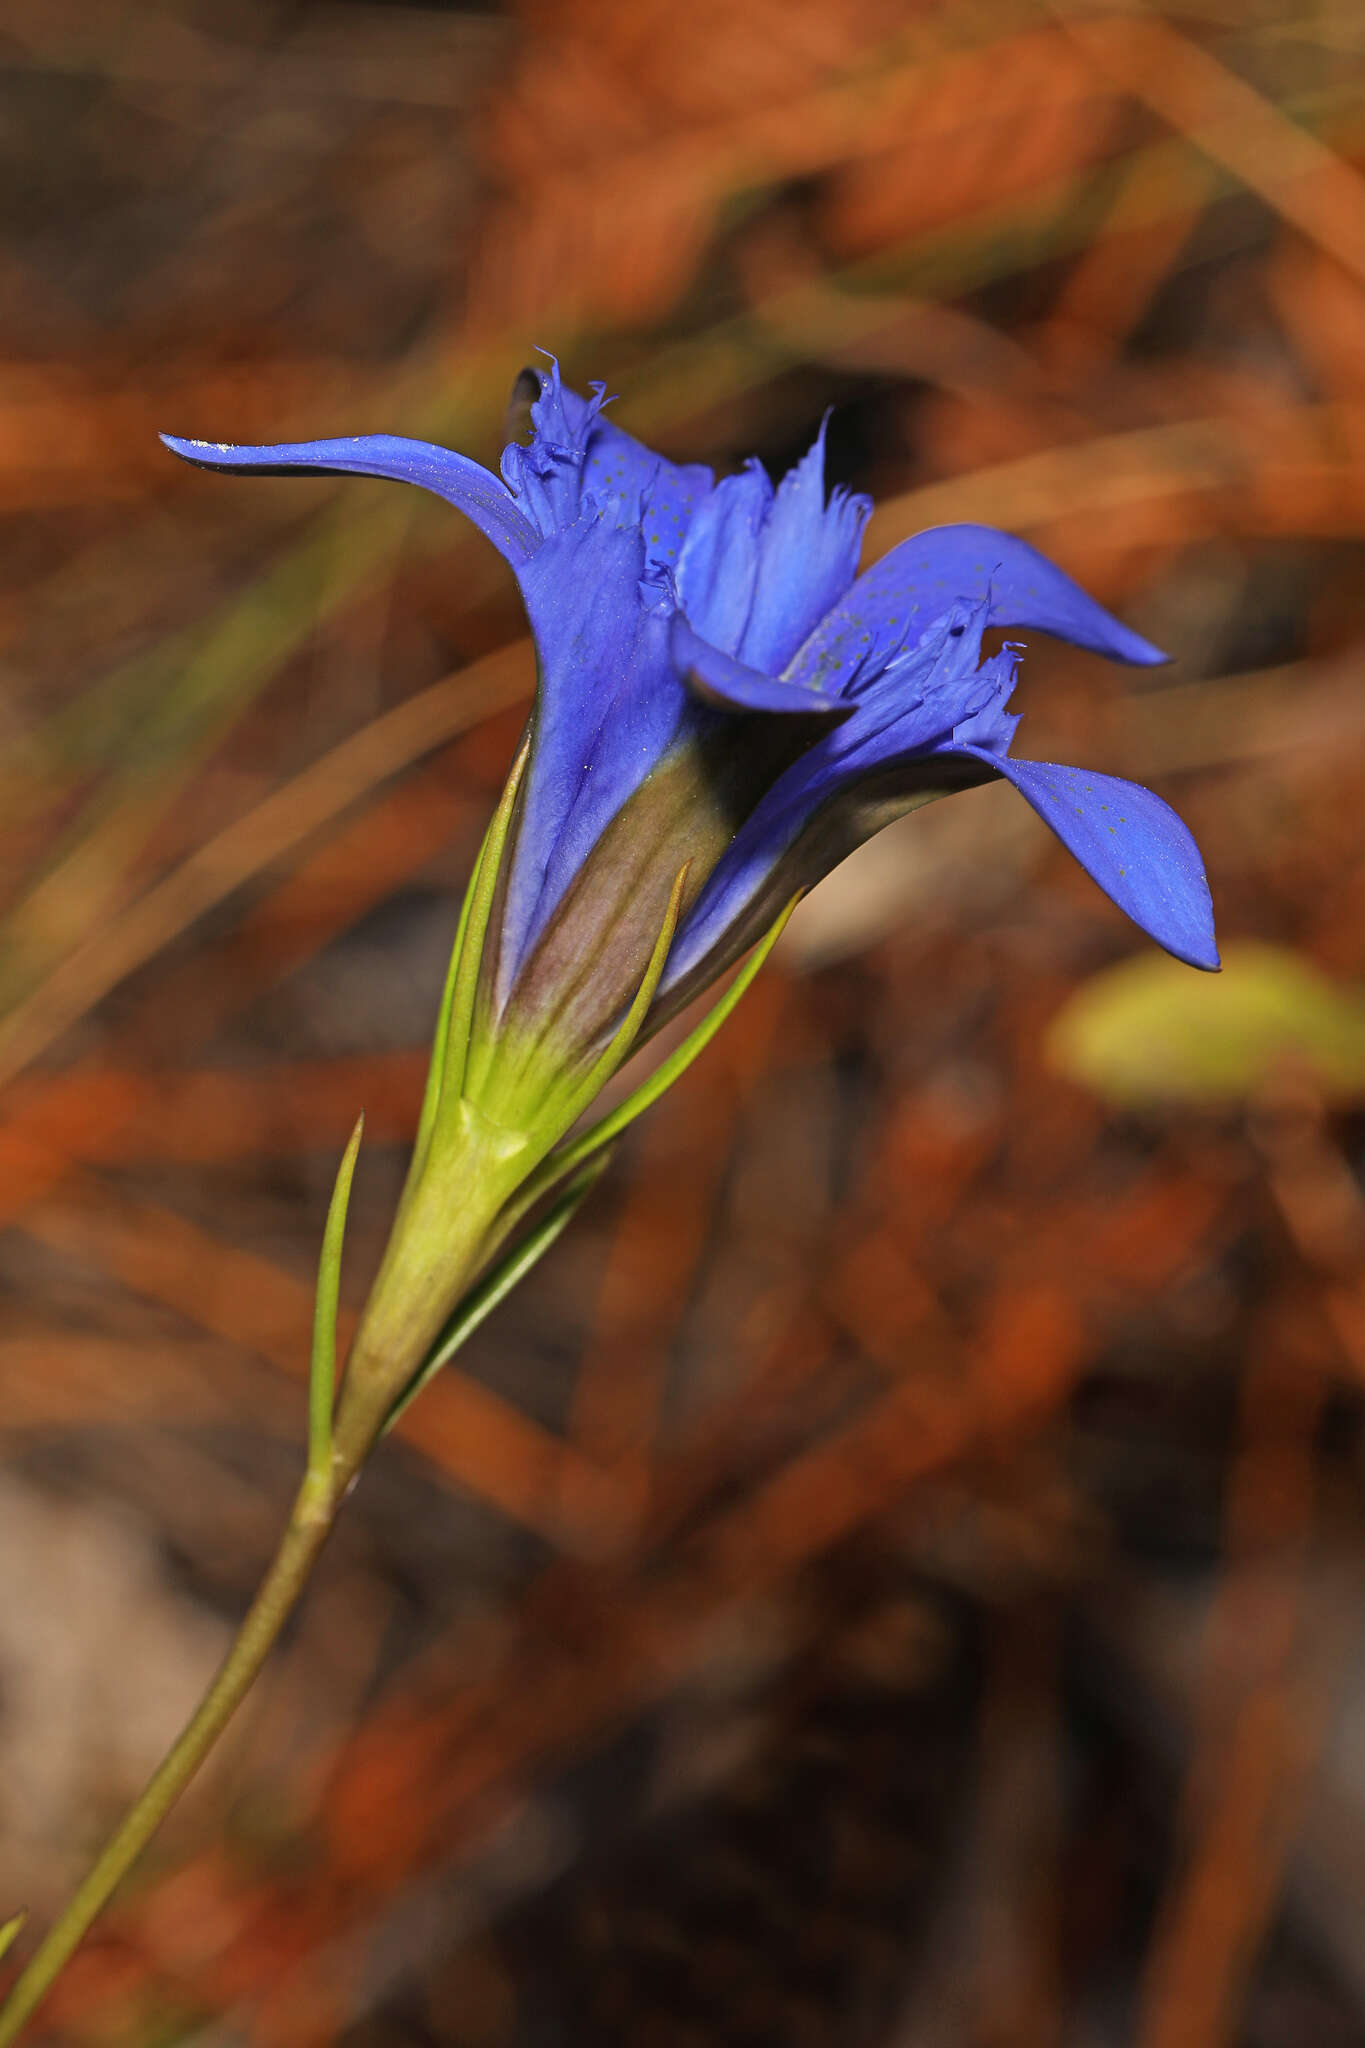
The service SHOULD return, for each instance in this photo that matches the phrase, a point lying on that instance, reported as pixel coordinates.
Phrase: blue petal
(718, 566)
(608, 704)
(617, 467)
(620, 466)
(545, 474)
(934, 722)
(809, 558)
(892, 605)
(1132, 843)
(476, 491)
(900, 728)
(720, 680)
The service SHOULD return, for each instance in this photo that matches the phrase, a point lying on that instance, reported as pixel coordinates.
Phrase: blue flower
(719, 688)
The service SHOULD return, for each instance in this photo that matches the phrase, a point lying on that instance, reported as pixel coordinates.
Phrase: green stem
(433, 1250)
(309, 1526)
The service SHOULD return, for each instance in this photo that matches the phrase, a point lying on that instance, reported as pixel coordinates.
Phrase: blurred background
(896, 1575)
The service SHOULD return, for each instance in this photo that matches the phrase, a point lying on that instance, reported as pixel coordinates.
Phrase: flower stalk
(309, 1526)
(390, 1353)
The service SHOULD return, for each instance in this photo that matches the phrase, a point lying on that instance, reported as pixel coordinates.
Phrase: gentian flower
(725, 708)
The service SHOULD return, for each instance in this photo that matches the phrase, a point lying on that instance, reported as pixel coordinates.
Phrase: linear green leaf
(322, 1372)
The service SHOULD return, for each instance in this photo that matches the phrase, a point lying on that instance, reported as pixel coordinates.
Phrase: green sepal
(665, 1074)
(457, 1019)
(10, 1932)
(323, 1368)
(495, 1285)
(431, 1094)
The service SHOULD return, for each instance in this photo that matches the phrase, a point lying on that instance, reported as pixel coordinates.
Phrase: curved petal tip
(719, 679)
(476, 492)
(1132, 843)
